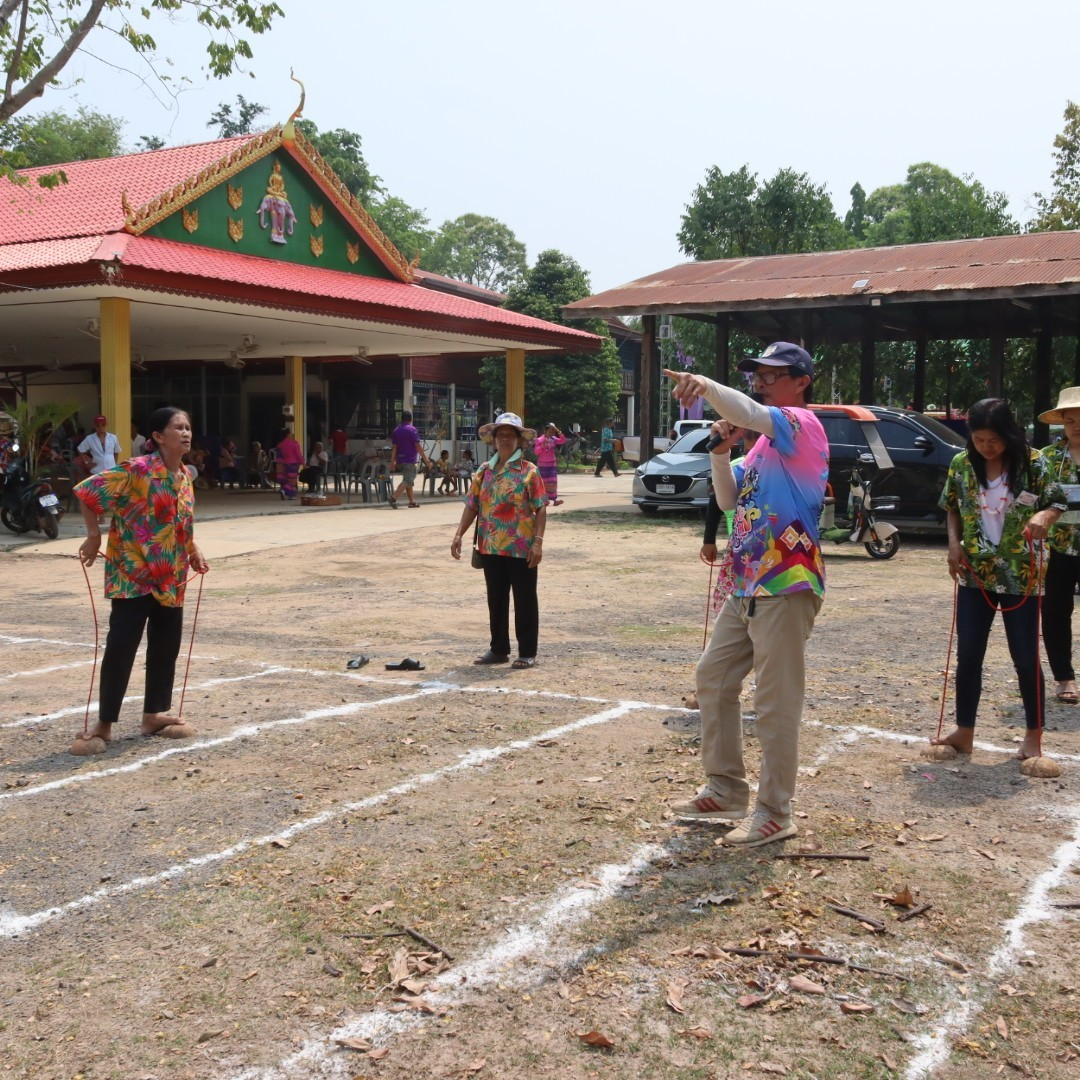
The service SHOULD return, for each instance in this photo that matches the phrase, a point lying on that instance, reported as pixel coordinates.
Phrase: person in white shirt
(103, 446)
(138, 442)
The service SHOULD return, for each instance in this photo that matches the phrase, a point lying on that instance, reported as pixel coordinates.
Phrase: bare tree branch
(16, 56)
(12, 103)
(7, 9)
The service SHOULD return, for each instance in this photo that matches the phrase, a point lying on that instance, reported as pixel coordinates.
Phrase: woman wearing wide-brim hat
(1063, 571)
(506, 498)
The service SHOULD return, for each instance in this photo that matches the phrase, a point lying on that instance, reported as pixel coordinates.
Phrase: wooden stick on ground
(920, 910)
(877, 924)
(1068, 904)
(822, 855)
(878, 971)
(427, 941)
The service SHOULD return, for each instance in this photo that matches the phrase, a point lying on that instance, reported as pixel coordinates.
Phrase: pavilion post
(918, 397)
(115, 327)
(723, 350)
(295, 396)
(996, 380)
(515, 382)
(1044, 352)
(647, 404)
(867, 360)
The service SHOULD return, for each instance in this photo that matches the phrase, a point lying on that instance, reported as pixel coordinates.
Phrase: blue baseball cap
(781, 354)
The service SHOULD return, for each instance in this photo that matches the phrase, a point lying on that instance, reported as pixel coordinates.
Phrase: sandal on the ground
(524, 662)
(1068, 697)
(408, 664)
(358, 661)
(413, 506)
(491, 658)
(182, 730)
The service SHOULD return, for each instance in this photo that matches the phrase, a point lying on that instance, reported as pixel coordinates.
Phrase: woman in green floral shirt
(508, 496)
(1063, 570)
(1000, 498)
(150, 503)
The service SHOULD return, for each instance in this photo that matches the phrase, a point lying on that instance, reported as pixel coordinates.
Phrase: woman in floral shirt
(151, 547)
(508, 496)
(1000, 498)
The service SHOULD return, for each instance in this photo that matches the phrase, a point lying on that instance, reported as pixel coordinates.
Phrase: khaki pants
(772, 641)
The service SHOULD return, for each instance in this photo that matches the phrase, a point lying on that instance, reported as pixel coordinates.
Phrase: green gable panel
(276, 213)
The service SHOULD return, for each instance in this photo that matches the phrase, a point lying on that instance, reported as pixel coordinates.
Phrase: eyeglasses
(766, 378)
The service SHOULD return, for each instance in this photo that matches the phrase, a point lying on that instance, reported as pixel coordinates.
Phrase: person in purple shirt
(406, 452)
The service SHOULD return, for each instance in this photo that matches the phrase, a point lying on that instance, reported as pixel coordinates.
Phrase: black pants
(974, 617)
(126, 623)
(504, 574)
(1062, 577)
(607, 460)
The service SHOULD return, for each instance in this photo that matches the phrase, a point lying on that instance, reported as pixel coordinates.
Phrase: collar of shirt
(515, 456)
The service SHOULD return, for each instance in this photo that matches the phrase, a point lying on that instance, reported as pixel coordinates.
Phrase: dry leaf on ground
(354, 1044)
(596, 1038)
(803, 985)
(675, 990)
(852, 1008)
(697, 1033)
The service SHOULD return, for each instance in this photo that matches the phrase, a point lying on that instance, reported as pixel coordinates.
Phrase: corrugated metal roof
(994, 262)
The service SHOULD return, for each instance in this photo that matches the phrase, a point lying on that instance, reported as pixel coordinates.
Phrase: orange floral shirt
(507, 502)
(151, 530)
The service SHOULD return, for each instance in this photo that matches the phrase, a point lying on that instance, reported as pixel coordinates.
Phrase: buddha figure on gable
(276, 204)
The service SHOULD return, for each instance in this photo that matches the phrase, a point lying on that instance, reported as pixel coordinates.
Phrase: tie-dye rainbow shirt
(775, 545)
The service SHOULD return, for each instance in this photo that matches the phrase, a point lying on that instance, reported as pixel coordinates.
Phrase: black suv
(920, 450)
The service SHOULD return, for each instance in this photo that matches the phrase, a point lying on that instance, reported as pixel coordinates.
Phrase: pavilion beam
(996, 381)
(918, 400)
(295, 396)
(515, 381)
(115, 327)
(647, 399)
(867, 359)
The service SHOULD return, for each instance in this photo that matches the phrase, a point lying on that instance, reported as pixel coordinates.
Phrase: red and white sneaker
(762, 828)
(706, 805)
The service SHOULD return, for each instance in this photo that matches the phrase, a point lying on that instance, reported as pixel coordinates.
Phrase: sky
(585, 126)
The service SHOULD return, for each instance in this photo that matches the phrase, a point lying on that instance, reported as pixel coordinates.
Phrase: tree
(480, 250)
(228, 125)
(405, 225)
(580, 387)
(855, 218)
(731, 216)
(342, 151)
(56, 137)
(39, 37)
(149, 142)
(934, 204)
(1061, 210)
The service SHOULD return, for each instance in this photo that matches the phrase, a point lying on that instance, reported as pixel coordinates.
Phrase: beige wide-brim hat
(1069, 398)
(507, 419)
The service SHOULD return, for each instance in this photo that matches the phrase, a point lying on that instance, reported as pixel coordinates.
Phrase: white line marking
(74, 710)
(1035, 908)
(247, 731)
(46, 670)
(9, 640)
(12, 924)
(529, 944)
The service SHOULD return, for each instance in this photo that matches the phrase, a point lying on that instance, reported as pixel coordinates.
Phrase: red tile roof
(993, 262)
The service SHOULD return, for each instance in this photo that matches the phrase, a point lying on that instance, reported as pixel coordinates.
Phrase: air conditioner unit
(666, 332)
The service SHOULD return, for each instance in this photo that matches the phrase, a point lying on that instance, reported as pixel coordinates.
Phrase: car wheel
(883, 548)
(645, 508)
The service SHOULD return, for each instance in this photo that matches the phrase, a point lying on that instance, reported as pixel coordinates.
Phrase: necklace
(998, 488)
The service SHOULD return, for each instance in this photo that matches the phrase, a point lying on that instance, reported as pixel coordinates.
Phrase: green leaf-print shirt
(1004, 569)
(151, 529)
(1064, 538)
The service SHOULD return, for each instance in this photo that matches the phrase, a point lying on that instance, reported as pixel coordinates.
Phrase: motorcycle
(881, 540)
(26, 504)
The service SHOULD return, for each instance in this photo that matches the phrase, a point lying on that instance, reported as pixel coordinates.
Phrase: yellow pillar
(296, 397)
(515, 381)
(115, 324)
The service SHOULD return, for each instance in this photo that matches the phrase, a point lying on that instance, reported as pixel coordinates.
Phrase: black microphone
(714, 442)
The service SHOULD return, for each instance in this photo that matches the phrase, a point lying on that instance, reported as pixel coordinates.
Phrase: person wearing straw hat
(507, 499)
(1063, 571)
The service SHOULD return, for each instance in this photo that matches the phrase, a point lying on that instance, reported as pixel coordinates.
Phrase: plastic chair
(383, 482)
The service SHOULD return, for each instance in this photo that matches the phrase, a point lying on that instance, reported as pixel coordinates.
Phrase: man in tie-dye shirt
(779, 581)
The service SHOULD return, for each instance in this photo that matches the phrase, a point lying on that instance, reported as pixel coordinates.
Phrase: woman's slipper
(88, 747)
(358, 661)
(171, 731)
(492, 658)
(408, 664)
(524, 662)
(1068, 697)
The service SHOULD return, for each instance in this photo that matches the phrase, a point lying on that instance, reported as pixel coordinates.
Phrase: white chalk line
(506, 960)
(899, 736)
(74, 710)
(189, 746)
(8, 639)
(12, 924)
(45, 670)
(937, 1045)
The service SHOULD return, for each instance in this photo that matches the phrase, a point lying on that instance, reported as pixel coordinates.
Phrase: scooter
(26, 504)
(881, 540)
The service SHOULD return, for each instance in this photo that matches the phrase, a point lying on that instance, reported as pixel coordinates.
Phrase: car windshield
(942, 431)
(693, 442)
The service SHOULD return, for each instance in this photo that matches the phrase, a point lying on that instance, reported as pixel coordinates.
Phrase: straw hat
(1069, 398)
(507, 419)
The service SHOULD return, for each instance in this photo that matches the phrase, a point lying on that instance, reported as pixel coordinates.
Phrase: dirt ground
(235, 906)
